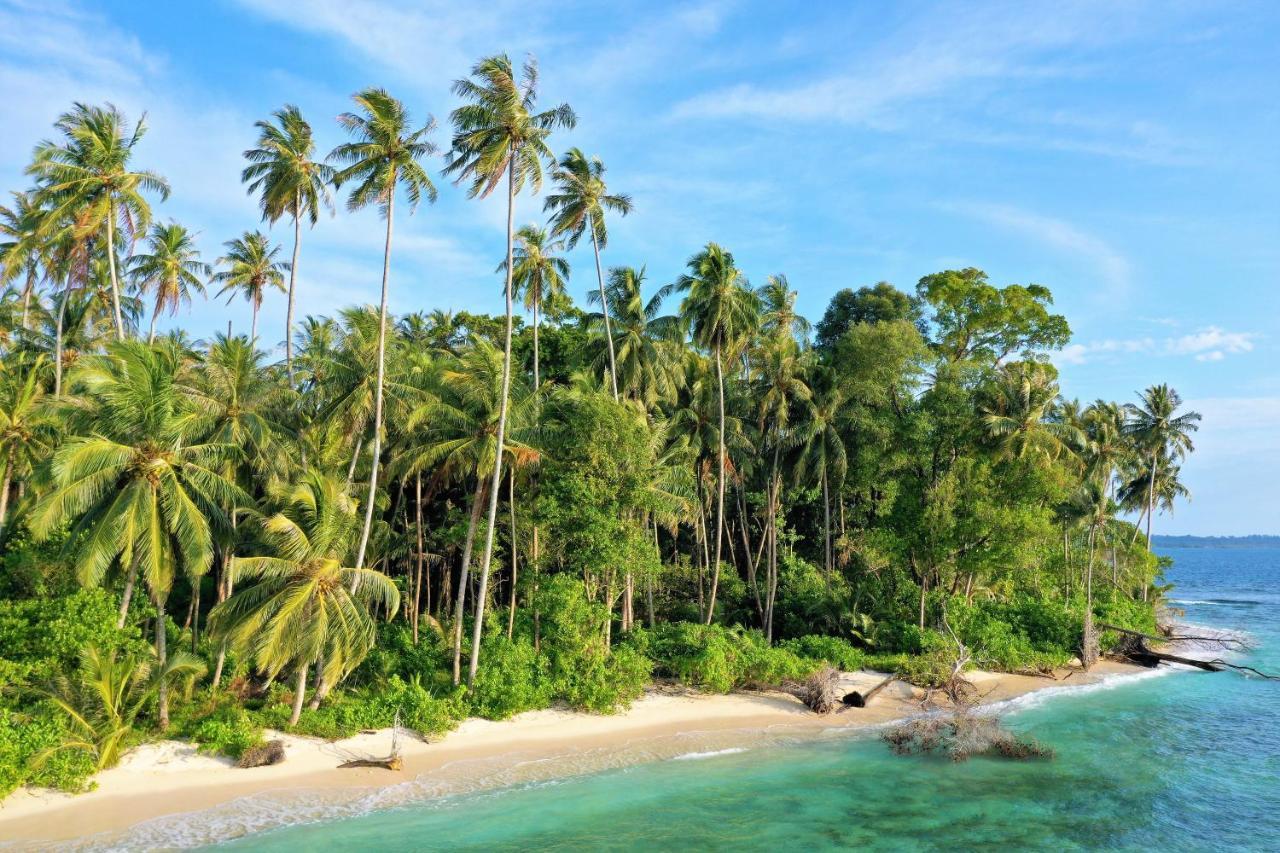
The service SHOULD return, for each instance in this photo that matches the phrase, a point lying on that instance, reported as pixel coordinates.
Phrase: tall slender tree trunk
(487, 557)
(4, 487)
(27, 292)
(604, 309)
(162, 652)
(151, 332)
(461, 598)
(377, 394)
(130, 579)
(537, 299)
(1151, 496)
(511, 509)
(715, 569)
(417, 582)
(293, 276)
(57, 340)
(299, 694)
(826, 526)
(253, 327)
(111, 264)
(1088, 653)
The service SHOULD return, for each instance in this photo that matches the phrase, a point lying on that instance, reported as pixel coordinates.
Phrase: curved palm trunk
(111, 263)
(26, 296)
(604, 309)
(537, 299)
(715, 568)
(299, 694)
(461, 598)
(511, 509)
(1088, 652)
(151, 332)
(377, 394)
(162, 652)
(421, 557)
(4, 486)
(293, 273)
(57, 341)
(253, 327)
(478, 628)
(1151, 496)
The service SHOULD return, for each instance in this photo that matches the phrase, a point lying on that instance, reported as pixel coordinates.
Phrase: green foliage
(1024, 633)
(29, 734)
(513, 679)
(830, 650)
(348, 713)
(718, 659)
(41, 638)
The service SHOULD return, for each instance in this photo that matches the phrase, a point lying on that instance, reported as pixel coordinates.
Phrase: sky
(1123, 154)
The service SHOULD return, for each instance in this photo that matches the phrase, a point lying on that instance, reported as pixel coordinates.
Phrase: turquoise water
(1184, 761)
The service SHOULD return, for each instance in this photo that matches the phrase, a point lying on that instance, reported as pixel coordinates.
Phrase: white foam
(695, 756)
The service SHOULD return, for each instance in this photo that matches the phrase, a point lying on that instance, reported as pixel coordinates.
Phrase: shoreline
(163, 788)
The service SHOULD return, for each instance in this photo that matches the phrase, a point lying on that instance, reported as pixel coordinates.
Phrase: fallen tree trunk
(854, 699)
(1150, 659)
(390, 763)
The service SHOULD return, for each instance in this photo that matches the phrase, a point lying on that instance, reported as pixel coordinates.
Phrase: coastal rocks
(262, 755)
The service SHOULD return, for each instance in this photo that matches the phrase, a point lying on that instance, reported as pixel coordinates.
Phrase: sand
(162, 784)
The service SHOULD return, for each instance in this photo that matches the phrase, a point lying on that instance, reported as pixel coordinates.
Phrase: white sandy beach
(171, 778)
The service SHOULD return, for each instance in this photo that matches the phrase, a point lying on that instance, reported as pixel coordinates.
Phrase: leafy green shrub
(830, 650)
(218, 723)
(42, 637)
(26, 735)
(512, 679)
(395, 654)
(718, 659)
(346, 714)
(1018, 634)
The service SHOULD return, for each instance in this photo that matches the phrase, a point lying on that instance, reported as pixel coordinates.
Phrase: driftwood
(393, 762)
(819, 692)
(960, 736)
(854, 699)
(271, 752)
(1136, 650)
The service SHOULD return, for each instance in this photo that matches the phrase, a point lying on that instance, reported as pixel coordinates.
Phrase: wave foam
(694, 756)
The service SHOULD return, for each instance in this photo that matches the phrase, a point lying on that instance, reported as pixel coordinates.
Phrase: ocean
(1174, 760)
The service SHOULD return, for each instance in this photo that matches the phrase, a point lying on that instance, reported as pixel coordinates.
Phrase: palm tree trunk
(537, 298)
(129, 581)
(253, 327)
(377, 393)
(151, 332)
(461, 598)
(26, 295)
(299, 694)
(604, 309)
(511, 508)
(293, 273)
(355, 457)
(417, 582)
(4, 487)
(57, 340)
(715, 569)
(111, 263)
(1087, 654)
(478, 628)
(162, 652)
(1151, 498)
(826, 526)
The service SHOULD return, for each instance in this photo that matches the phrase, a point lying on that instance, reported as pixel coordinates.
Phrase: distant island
(1256, 540)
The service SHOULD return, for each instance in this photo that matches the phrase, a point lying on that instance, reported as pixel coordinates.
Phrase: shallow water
(1184, 760)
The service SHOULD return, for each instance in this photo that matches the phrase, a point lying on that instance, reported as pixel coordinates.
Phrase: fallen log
(854, 699)
(393, 762)
(1146, 657)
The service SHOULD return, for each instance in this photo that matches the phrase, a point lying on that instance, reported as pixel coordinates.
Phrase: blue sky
(1122, 153)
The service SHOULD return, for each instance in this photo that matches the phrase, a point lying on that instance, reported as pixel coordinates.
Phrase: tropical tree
(1017, 414)
(289, 180)
(645, 340)
(721, 311)
(251, 270)
(23, 246)
(306, 606)
(539, 275)
(578, 205)
(498, 133)
(137, 486)
(87, 178)
(384, 158)
(27, 423)
(171, 270)
(823, 457)
(1160, 435)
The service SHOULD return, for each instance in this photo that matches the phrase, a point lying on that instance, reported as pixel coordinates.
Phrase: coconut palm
(384, 159)
(306, 606)
(823, 458)
(778, 315)
(86, 178)
(540, 275)
(721, 311)
(27, 424)
(1017, 414)
(23, 246)
(645, 340)
(579, 205)
(1160, 435)
(497, 133)
(135, 483)
(251, 270)
(171, 270)
(289, 180)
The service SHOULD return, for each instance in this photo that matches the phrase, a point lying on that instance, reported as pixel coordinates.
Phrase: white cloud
(1212, 343)
(1208, 344)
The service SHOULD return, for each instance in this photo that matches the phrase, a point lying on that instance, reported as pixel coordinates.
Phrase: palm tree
(137, 486)
(823, 457)
(289, 180)
(779, 318)
(385, 158)
(27, 424)
(252, 269)
(578, 204)
(1018, 414)
(539, 274)
(306, 606)
(22, 245)
(644, 339)
(722, 311)
(172, 270)
(1160, 435)
(497, 133)
(87, 178)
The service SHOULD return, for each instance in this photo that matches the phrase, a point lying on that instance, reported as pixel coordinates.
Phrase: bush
(24, 736)
(218, 723)
(830, 650)
(347, 714)
(42, 637)
(513, 678)
(718, 659)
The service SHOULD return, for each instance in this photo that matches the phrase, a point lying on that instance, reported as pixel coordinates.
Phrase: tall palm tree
(171, 269)
(722, 311)
(779, 317)
(384, 159)
(823, 457)
(27, 424)
(497, 133)
(1017, 414)
(1161, 435)
(23, 245)
(87, 178)
(645, 340)
(578, 205)
(137, 486)
(251, 270)
(540, 275)
(289, 180)
(306, 606)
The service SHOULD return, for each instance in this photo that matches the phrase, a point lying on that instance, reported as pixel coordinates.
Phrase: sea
(1175, 759)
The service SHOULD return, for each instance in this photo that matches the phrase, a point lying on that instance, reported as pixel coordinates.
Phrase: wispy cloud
(1211, 343)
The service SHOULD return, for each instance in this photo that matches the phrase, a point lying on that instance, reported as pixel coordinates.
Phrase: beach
(161, 783)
